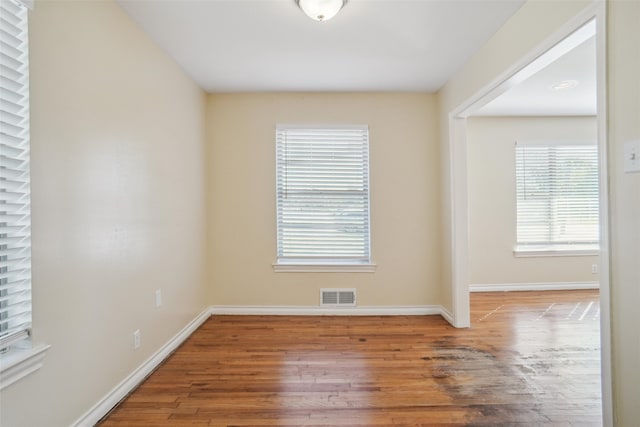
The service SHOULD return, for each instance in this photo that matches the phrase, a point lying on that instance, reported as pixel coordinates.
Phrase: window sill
(323, 268)
(553, 251)
(20, 361)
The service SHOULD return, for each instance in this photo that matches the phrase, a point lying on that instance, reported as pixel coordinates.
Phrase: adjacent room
(267, 213)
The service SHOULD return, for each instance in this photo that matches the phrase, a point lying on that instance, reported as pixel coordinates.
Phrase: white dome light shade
(321, 10)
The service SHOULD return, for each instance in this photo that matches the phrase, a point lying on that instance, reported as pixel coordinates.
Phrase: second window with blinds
(322, 187)
(557, 198)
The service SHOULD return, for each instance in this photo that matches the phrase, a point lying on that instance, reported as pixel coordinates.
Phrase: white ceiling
(371, 45)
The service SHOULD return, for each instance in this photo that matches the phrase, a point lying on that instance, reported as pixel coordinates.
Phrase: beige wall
(624, 125)
(405, 193)
(118, 210)
(492, 200)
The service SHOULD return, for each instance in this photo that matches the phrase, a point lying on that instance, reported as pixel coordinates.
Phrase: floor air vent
(337, 297)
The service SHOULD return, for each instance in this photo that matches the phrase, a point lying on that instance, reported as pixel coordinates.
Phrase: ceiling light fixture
(566, 84)
(321, 10)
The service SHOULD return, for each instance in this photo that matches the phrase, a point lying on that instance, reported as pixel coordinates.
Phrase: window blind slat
(15, 249)
(13, 11)
(19, 283)
(20, 294)
(322, 194)
(10, 89)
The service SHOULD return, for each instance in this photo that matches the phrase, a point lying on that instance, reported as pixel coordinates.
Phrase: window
(322, 195)
(15, 258)
(557, 197)
(17, 355)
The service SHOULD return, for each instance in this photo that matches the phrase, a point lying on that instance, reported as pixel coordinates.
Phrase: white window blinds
(322, 194)
(15, 250)
(557, 195)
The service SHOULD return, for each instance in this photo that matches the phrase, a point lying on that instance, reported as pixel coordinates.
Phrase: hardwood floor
(530, 358)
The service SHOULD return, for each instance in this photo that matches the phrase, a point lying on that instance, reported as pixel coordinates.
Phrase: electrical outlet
(158, 298)
(594, 268)
(136, 339)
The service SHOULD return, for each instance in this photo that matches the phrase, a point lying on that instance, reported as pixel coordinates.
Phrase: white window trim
(21, 361)
(524, 251)
(282, 267)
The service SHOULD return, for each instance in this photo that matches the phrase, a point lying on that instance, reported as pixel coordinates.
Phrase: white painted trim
(543, 286)
(324, 268)
(600, 15)
(448, 316)
(524, 252)
(126, 386)
(257, 310)
(21, 364)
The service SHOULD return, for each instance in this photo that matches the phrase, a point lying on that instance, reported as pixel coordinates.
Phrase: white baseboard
(448, 316)
(102, 408)
(324, 311)
(545, 286)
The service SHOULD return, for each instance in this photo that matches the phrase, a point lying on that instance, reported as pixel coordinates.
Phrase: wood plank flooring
(530, 358)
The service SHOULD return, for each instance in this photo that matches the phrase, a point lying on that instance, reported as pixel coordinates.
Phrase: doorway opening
(589, 25)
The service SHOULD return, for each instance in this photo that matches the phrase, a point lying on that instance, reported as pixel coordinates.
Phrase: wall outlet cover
(632, 156)
(136, 339)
